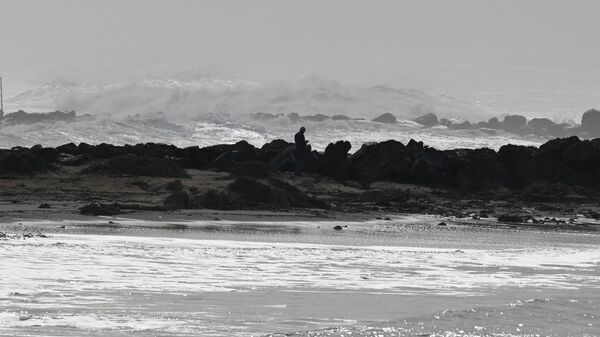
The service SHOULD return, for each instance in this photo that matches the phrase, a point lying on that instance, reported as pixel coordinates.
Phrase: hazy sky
(421, 43)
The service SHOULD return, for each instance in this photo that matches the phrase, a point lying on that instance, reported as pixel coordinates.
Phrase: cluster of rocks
(517, 124)
(295, 117)
(570, 161)
(22, 117)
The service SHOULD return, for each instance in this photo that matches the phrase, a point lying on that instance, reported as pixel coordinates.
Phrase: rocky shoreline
(555, 185)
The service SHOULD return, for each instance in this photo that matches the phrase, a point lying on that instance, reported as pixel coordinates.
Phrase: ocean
(206, 111)
(404, 277)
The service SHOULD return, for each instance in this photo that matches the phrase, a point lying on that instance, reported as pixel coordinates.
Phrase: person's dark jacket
(300, 144)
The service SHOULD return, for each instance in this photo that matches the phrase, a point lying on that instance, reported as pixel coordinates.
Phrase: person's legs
(300, 162)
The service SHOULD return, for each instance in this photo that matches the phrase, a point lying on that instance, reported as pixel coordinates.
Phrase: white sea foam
(209, 111)
(72, 283)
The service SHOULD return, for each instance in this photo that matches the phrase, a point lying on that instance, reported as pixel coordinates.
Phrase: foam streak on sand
(71, 284)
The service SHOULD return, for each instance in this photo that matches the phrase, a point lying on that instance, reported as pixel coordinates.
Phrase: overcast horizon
(433, 45)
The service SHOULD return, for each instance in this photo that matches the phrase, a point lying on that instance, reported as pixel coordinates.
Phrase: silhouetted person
(301, 149)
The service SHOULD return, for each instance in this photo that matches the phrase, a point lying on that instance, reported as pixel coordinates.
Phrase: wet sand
(256, 277)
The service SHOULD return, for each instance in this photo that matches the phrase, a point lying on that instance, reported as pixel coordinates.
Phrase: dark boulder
(429, 120)
(590, 122)
(545, 126)
(386, 160)
(23, 161)
(514, 123)
(201, 158)
(284, 160)
(476, 169)
(49, 154)
(386, 118)
(154, 150)
(69, 148)
(519, 164)
(550, 158)
(101, 151)
(335, 159)
(271, 150)
(494, 123)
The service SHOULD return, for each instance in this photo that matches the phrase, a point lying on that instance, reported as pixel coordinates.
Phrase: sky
(440, 45)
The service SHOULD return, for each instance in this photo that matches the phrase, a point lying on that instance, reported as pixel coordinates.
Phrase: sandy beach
(264, 275)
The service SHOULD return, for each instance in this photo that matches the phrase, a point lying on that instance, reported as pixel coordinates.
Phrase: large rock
(514, 123)
(385, 160)
(519, 164)
(476, 169)
(429, 119)
(201, 158)
(545, 126)
(590, 122)
(387, 118)
(22, 161)
(335, 159)
(270, 150)
(494, 123)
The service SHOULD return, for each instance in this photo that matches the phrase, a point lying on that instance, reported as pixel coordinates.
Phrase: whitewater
(205, 111)
(404, 277)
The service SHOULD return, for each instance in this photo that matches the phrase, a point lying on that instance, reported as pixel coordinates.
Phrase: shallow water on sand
(304, 279)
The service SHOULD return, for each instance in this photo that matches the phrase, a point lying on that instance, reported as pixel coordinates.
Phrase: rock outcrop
(428, 120)
(386, 118)
(590, 122)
